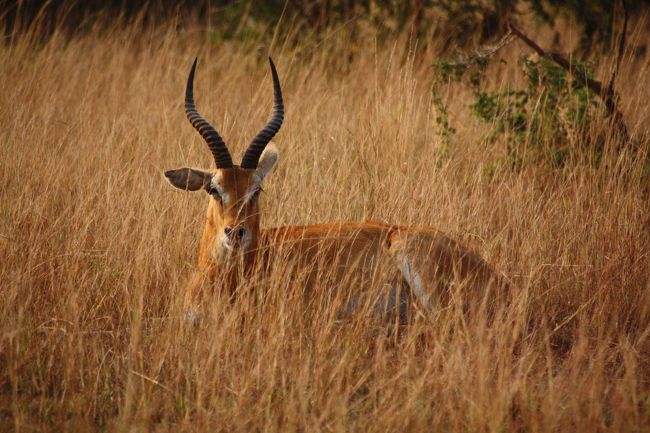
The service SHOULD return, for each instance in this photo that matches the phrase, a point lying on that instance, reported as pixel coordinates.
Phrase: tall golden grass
(95, 246)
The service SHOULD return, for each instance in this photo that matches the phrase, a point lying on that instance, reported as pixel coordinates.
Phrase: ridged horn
(210, 135)
(255, 149)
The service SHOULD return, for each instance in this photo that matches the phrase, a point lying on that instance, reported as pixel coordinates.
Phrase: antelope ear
(189, 179)
(267, 160)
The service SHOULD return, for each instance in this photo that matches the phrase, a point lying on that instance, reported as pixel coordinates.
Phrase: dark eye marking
(214, 193)
(257, 192)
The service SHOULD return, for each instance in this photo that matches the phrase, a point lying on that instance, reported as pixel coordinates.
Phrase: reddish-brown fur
(361, 254)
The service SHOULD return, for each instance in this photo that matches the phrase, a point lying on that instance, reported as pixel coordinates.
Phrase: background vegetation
(515, 160)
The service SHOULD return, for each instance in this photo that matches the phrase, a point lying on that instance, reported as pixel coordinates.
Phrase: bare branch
(606, 94)
(620, 50)
(593, 85)
(489, 50)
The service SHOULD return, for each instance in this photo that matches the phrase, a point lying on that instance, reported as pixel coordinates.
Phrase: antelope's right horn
(210, 135)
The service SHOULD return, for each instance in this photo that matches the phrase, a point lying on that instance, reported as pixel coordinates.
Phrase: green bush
(545, 119)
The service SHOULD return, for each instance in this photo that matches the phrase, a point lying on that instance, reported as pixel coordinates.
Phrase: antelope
(382, 265)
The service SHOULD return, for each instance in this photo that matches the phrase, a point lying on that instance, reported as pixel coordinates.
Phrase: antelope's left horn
(255, 149)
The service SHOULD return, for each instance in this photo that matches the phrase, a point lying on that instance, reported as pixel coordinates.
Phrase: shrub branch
(606, 93)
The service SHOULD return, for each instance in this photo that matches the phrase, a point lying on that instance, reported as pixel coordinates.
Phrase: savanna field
(96, 247)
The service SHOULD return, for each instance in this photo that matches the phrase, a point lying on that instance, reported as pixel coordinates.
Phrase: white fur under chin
(223, 249)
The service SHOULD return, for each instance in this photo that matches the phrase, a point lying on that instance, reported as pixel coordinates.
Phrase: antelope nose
(240, 232)
(236, 233)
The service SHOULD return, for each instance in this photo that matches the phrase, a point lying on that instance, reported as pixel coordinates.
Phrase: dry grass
(95, 248)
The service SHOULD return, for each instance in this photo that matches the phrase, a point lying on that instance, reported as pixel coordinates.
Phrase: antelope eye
(257, 193)
(212, 191)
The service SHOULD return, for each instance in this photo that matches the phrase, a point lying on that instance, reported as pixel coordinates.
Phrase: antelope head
(233, 212)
